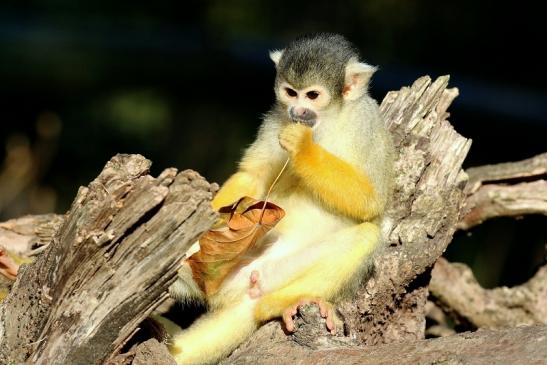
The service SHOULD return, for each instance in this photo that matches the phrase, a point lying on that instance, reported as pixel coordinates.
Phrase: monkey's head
(316, 75)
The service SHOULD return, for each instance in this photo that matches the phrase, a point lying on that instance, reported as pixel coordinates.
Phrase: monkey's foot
(325, 309)
(254, 289)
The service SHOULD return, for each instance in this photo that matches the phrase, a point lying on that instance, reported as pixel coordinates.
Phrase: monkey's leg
(328, 267)
(214, 335)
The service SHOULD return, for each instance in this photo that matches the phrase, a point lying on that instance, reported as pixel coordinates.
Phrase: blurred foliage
(185, 84)
(141, 114)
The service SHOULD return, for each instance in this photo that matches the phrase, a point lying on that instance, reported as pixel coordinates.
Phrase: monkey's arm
(240, 184)
(337, 183)
(253, 177)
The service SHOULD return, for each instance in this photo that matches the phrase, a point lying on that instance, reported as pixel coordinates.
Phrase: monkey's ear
(358, 75)
(276, 56)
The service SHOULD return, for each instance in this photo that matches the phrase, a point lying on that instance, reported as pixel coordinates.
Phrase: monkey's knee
(367, 233)
(365, 242)
(369, 229)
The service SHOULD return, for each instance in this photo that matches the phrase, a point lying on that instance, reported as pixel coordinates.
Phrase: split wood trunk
(107, 267)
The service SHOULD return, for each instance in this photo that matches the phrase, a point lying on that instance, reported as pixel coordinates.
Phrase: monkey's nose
(302, 114)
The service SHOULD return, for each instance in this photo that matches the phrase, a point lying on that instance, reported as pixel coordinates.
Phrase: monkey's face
(317, 76)
(305, 105)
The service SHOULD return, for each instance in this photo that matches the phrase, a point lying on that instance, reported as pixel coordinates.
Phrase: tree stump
(108, 266)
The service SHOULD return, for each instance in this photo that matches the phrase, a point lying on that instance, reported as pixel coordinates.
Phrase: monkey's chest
(305, 223)
(306, 218)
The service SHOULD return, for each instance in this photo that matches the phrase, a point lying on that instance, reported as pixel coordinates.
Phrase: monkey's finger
(331, 326)
(287, 319)
(323, 308)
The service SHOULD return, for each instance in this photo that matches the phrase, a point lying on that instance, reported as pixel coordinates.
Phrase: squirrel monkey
(334, 192)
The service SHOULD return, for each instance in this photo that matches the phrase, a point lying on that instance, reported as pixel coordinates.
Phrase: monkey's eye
(312, 95)
(290, 92)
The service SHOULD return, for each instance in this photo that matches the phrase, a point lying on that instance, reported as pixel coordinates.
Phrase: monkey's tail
(214, 335)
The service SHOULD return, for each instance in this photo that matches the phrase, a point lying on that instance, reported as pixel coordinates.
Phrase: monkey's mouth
(303, 115)
(307, 122)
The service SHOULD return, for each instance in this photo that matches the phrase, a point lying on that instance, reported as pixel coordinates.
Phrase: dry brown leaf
(224, 246)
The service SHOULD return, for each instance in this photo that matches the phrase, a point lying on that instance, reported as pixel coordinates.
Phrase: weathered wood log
(506, 189)
(458, 292)
(23, 235)
(150, 352)
(524, 345)
(108, 266)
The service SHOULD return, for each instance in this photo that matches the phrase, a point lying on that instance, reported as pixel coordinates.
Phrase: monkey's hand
(294, 137)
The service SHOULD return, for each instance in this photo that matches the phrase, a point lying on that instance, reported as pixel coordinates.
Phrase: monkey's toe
(325, 309)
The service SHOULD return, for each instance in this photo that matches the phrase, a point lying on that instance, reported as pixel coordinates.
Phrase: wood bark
(421, 220)
(456, 289)
(150, 352)
(108, 265)
(24, 235)
(526, 345)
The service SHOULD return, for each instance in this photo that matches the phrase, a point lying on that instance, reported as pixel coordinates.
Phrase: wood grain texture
(455, 289)
(526, 345)
(509, 189)
(421, 219)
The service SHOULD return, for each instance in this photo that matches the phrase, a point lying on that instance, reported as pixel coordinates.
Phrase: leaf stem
(270, 189)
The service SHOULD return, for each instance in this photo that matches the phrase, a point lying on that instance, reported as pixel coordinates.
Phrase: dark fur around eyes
(317, 59)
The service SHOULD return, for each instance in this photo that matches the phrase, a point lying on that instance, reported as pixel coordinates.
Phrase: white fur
(358, 76)
(275, 55)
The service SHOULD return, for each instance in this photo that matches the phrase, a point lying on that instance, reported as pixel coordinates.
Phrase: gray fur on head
(320, 58)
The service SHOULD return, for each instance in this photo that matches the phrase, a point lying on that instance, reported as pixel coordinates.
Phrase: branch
(486, 199)
(520, 345)
(457, 291)
(531, 167)
(22, 235)
(108, 266)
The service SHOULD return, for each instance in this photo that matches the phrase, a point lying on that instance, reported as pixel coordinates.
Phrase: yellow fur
(214, 335)
(237, 186)
(338, 184)
(342, 256)
(319, 247)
